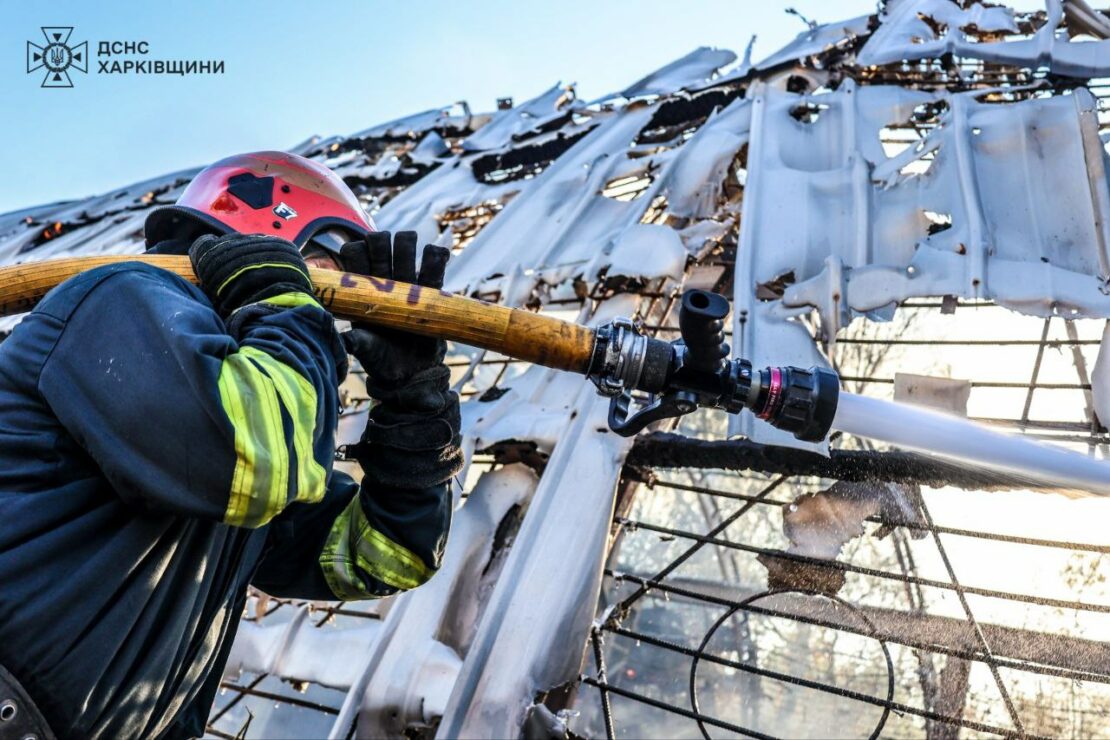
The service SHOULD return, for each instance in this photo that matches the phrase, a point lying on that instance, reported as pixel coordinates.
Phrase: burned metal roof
(880, 192)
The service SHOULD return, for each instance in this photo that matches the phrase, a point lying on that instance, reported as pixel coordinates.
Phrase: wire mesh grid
(951, 612)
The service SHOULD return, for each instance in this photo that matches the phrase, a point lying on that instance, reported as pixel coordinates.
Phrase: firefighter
(163, 447)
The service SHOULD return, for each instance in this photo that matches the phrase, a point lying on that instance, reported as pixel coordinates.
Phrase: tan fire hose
(519, 334)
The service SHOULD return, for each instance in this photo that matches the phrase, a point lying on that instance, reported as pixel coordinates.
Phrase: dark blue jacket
(151, 467)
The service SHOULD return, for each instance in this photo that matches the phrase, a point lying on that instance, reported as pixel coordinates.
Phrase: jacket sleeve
(182, 416)
(363, 542)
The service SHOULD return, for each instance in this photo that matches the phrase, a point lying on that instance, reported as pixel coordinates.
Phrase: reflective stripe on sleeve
(254, 388)
(261, 475)
(299, 398)
(353, 544)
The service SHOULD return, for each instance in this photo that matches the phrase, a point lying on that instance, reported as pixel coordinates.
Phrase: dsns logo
(57, 57)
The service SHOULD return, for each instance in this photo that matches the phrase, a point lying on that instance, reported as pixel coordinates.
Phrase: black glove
(388, 356)
(412, 438)
(239, 269)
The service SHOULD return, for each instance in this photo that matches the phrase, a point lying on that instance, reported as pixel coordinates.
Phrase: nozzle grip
(701, 320)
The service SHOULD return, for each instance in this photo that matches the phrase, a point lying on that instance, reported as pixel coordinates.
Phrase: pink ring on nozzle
(774, 395)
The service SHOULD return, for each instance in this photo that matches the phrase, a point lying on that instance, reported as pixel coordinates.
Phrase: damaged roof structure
(917, 198)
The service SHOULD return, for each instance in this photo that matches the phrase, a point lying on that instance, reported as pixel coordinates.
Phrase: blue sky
(294, 69)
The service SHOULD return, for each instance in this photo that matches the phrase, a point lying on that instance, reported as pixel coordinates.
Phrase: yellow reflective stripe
(388, 561)
(373, 552)
(299, 398)
(259, 266)
(337, 563)
(292, 300)
(286, 300)
(242, 479)
(261, 475)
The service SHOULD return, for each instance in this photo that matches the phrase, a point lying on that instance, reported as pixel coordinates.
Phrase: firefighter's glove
(239, 269)
(413, 439)
(392, 358)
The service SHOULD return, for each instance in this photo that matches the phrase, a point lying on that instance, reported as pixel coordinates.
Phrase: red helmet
(261, 193)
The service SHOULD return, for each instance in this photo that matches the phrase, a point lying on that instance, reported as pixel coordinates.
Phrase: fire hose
(677, 377)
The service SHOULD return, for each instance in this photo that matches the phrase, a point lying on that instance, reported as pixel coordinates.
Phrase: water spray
(956, 438)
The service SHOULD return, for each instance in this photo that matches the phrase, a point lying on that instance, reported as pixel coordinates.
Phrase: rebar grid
(288, 696)
(979, 652)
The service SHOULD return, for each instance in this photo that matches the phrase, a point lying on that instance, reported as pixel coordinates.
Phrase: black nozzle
(696, 373)
(802, 402)
(701, 319)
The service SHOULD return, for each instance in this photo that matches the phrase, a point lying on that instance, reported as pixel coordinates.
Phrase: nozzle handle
(701, 320)
(666, 406)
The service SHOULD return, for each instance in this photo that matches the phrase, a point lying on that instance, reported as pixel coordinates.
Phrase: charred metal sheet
(1020, 189)
(912, 30)
(550, 110)
(457, 118)
(407, 677)
(818, 41)
(545, 599)
(955, 152)
(691, 70)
